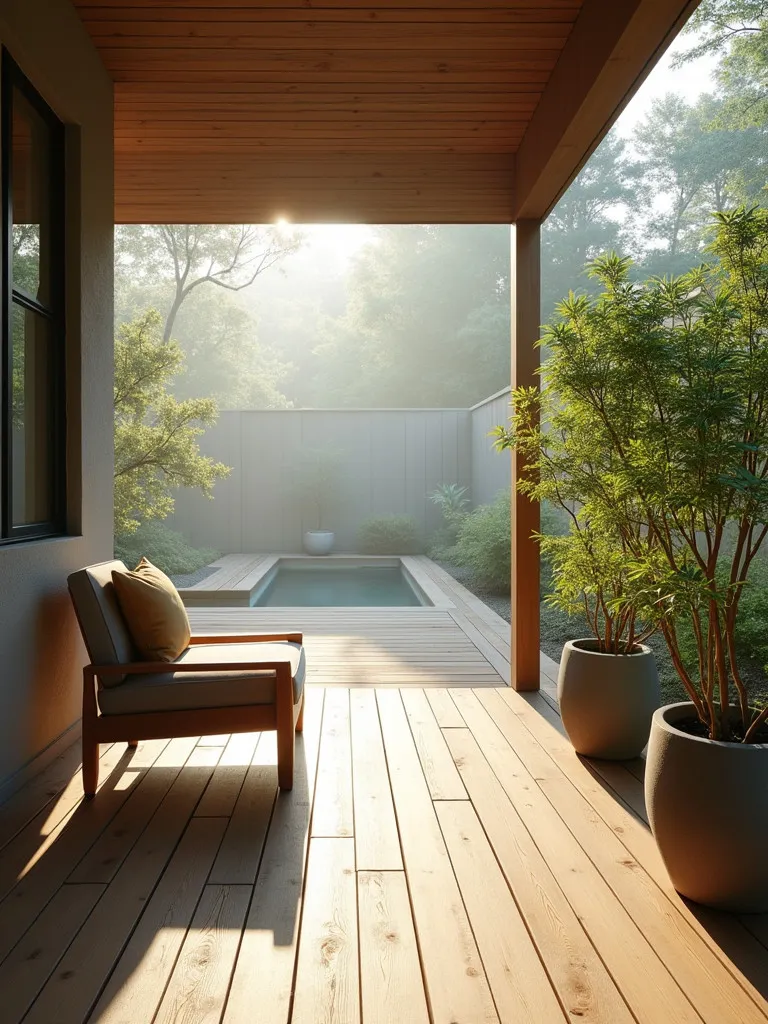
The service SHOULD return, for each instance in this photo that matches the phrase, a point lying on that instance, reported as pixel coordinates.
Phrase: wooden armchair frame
(284, 716)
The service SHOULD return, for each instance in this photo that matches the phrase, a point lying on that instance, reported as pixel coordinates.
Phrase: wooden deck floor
(443, 857)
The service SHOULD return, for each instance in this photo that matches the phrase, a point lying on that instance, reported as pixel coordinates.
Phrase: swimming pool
(295, 583)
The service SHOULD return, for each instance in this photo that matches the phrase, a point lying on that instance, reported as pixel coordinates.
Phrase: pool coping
(239, 593)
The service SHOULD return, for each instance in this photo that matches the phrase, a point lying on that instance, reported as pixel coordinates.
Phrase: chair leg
(286, 734)
(133, 744)
(90, 763)
(90, 738)
(300, 719)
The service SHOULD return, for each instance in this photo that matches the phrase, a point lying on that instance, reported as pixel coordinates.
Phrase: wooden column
(525, 293)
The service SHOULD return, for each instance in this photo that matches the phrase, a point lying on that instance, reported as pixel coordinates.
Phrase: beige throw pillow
(153, 611)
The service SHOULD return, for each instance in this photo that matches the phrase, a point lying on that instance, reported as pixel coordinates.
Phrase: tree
(591, 218)
(427, 321)
(167, 267)
(653, 425)
(156, 435)
(736, 30)
(191, 255)
(690, 165)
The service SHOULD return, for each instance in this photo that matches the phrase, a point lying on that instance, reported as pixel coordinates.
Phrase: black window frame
(13, 79)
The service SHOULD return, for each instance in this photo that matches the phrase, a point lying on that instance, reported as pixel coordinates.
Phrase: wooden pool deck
(443, 858)
(459, 641)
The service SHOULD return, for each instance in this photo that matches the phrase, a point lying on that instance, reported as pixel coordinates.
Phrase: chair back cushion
(104, 630)
(153, 611)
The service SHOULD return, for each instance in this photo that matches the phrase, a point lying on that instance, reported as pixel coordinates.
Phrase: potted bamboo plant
(318, 485)
(608, 685)
(671, 380)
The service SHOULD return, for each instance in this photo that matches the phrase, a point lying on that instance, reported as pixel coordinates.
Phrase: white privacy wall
(389, 461)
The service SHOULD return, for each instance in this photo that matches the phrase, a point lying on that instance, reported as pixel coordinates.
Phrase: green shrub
(484, 544)
(389, 535)
(166, 548)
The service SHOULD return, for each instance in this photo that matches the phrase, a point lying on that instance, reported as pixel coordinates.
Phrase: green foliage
(166, 548)
(452, 501)
(190, 272)
(389, 535)
(736, 30)
(653, 424)
(156, 447)
(484, 544)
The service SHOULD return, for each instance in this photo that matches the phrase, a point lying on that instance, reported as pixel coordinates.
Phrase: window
(32, 372)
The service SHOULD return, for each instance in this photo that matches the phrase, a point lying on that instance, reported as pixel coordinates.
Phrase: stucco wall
(40, 678)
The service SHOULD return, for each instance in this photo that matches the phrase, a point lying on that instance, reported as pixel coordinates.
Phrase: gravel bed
(189, 579)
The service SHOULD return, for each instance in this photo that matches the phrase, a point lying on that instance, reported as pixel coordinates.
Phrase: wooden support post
(525, 293)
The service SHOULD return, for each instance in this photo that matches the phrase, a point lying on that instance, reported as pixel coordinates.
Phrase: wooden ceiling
(327, 110)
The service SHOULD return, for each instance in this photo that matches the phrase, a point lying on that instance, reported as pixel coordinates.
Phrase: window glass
(30, 199)
(33, 422)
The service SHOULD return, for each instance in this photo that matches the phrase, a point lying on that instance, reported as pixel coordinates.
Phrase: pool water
(340, 586)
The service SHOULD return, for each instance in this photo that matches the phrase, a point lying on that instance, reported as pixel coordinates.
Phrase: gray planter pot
(607, 700)
(708, 808)
(319, 542)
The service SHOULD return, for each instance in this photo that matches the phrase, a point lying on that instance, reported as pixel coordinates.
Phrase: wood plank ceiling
(323, 110)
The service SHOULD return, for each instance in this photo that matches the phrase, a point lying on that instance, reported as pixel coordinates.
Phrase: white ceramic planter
(607, 700)
(319, 542)
(708, 808)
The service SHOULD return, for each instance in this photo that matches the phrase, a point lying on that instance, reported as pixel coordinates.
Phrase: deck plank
(640, 970)
(377, 844)
(238, 859)
(262, 980)
(137, 984)
(198, 987)
(390, 973)
(584, 986)
(26, 970)
(327, 973)
(333, 813)
(89, 961)
(457, 987)
(443, 780)
(521, 989)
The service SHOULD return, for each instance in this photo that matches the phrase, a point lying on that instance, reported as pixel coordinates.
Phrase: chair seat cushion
(185, 691)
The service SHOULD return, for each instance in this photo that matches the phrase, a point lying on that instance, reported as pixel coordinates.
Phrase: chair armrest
(250, 638)
(145, 668)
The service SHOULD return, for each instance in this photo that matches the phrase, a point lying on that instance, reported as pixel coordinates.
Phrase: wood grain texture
(262, 981)
(517, 977)
(327, 971)
(377, 844)
(176, 67)
(538, 896)
(134, 993)
(390, 973)
(198, 987)
(456, 983)
(333, 813)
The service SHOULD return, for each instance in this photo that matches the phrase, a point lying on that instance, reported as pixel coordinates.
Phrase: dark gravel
(557, 628)
(189, 579)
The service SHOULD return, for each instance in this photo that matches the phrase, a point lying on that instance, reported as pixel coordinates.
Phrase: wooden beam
(611, 49)
(526, 301)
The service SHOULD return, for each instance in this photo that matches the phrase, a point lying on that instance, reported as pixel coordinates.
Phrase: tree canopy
(156, 435)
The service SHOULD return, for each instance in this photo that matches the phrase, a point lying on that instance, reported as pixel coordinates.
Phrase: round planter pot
(607, 700)
(708, 808)
(319, 542)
